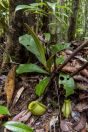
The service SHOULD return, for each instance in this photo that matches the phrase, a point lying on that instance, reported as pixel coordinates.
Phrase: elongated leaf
(39, 46)
(50, 62)
(21, 7)
(59, 47)
(40, 88)
(25, 68)
(17, 127)
(4, 110)
(52, 6)
(10, 85)
(67, 82)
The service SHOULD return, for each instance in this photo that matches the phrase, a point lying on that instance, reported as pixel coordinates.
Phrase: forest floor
(52, 120)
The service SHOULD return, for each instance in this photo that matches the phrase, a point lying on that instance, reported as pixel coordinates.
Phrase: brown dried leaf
(84, 130)
(10, 85)
(69, 69)
(81, 124)
(66, 126)
(16, 118)
(19, 92)
(83, 96)
(23, 116)
(40, 130)
(84, 72)
(81, 106)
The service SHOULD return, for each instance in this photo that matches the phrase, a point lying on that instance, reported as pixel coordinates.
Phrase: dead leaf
(53, 122)
(40, 130)
(81, 106)
(76, 116)
(16, 118)
(72, 69)
(66, 126)
(10, 85)
(84, 130)
(81, 124)
(25, 117)
(31, 121)
(19, 92)
(83, 96)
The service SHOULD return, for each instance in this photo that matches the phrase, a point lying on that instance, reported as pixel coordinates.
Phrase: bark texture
(73, 18)
(16, 29)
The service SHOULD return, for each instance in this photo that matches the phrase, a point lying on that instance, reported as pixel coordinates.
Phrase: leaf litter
(25, 94)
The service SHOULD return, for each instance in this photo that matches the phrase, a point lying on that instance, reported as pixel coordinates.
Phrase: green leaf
(4, 110)
(28, 42)
(47, 37)
(60, 60)
(17, 127)
(25, 68)
(58, 47)
(21, 7)
(39, 46)
(50, 62)
(52, 6)
(67, 82)
(40, 88)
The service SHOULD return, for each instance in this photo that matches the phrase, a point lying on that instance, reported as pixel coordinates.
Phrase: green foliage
(38, 45)
(40, 88)
(58, 47)
(67, 82)
(12, 125)
(32, 8)
(4, 110)
(27, 68)
(47, 37)
(17, 127)
(32, 44)
(60, 60)
(4, 19)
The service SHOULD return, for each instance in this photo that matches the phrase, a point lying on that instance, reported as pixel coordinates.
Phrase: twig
(80, 69)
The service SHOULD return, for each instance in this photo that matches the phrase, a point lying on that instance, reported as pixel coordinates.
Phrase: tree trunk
(73, 18)
(86, 19)
(16, 29)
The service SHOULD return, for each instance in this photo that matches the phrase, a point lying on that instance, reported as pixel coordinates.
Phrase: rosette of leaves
(32, 43)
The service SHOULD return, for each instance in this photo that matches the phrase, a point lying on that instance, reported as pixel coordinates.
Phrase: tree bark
(16, 29)
(73, 18)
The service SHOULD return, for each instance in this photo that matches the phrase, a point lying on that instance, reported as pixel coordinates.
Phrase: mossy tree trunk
(73, 19)
(16, 28)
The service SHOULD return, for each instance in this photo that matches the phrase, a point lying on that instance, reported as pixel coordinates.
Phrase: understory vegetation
(44, 65)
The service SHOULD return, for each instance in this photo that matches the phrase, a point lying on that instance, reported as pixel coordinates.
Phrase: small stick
(80, 69)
